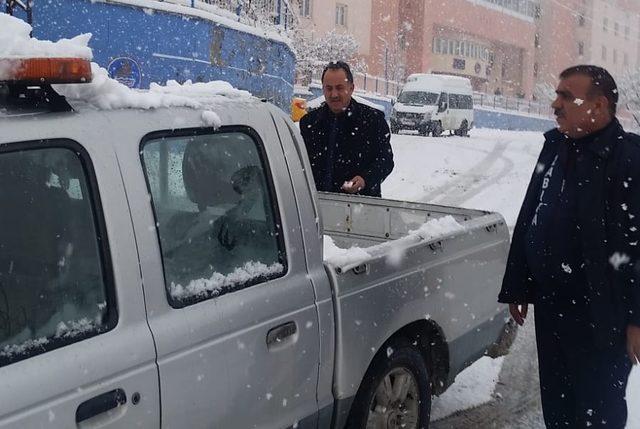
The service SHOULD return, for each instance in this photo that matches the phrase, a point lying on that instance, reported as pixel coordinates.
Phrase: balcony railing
(512, 104)
(275, 14)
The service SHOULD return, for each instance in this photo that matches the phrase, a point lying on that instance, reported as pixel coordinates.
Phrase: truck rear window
(53, 287)
(216, 216)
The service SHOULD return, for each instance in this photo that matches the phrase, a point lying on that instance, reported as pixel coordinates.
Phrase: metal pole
(279, 13)
(386, 68)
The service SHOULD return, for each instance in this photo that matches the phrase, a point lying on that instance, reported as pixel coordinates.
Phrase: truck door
(232, 309)
(75, 348)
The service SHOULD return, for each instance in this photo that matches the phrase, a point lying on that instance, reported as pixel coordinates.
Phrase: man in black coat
(348, 142)
(575, 255)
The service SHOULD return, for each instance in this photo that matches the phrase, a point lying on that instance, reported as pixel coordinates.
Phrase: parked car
(163, 267)
(431, 103)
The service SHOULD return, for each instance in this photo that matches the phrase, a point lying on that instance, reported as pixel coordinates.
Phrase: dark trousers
(581, 386)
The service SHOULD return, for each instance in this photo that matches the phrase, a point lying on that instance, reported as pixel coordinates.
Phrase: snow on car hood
(408, 108)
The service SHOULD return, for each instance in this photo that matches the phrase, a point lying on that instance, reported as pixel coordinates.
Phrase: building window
(626, 32)
(605, 24)
(536, 69)
(581, 20)
(626, 60)
(580, 48)
(616, 29)
(305, 8)
(604, 53)
(341, 15)
(615, 56)
(536, 40)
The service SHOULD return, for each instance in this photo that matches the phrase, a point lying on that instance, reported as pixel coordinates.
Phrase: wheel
(464, 129)
(394, 129)
(423, 130)
(437, 129)
(395, 392)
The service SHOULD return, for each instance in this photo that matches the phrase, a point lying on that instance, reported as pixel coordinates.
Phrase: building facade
(601, 32)
(509, 47)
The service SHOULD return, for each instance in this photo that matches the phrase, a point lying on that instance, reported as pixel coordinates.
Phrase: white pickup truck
(164, 268)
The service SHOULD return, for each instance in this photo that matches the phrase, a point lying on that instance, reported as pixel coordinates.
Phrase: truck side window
(53, 281)
(216, 215)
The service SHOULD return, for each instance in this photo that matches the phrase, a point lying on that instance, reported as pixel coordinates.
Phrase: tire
(423, 130)
(394, 129)
(437, 129)
(398, 362)
(464, 129)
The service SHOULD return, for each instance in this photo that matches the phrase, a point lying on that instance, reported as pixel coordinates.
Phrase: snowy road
(488, 171)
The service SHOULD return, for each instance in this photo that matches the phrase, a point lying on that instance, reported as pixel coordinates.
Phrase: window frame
(341, 15)
(102, 238)
(305, 8)
(177, 304)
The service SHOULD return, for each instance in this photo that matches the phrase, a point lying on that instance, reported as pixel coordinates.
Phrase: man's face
(337, 90)
(577, 113)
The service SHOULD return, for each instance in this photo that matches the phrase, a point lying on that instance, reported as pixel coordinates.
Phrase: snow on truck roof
(418, 80)
(103, 92)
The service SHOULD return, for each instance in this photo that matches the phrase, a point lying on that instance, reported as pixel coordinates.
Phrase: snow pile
(201, 90)
(438, 227)
(217, 283)
(211, 119)
(64, 330)
(472, 387)
(16, 42)
(338, 257)
(393, 250)
(105, 93)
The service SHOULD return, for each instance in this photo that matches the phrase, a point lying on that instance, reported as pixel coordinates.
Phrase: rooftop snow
(16, 42)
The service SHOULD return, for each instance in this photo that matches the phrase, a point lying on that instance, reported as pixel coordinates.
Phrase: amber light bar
(35, 71)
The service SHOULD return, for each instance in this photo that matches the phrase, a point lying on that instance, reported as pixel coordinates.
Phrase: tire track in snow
(474, 180)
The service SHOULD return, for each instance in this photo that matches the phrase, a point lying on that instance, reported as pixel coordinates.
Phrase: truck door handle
(280, 333)
(100, 404)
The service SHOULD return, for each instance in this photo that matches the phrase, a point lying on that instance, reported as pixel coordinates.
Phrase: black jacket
(609, 220)
(362, 146)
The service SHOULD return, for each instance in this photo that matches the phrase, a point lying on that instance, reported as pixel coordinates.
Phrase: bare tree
(312, 54)
(629, 92)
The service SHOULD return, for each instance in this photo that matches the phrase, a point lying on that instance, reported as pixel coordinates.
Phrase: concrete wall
(509, 121)
(155, 46)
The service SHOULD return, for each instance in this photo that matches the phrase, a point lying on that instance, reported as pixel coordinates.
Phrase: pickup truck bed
(449, 276)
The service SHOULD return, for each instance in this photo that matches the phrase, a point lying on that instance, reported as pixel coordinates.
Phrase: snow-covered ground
(488, 171)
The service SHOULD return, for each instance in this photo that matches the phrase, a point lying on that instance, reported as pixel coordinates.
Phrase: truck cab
(163, 264)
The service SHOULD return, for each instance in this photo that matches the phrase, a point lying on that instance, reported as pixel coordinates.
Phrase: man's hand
(519, 312)
(633, 343)
(354, 185)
